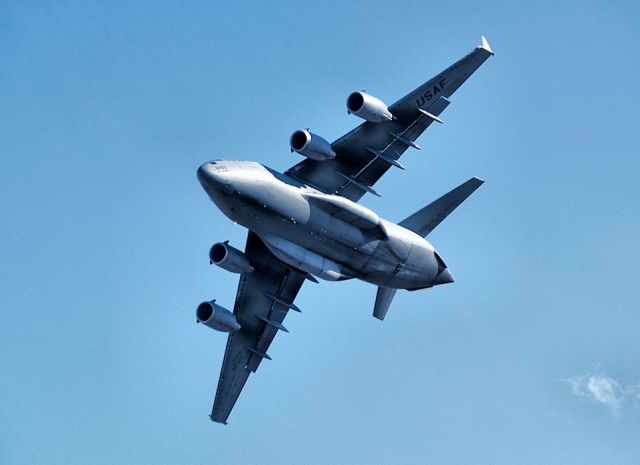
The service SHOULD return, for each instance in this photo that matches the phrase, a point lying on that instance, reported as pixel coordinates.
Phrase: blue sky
(106, 111)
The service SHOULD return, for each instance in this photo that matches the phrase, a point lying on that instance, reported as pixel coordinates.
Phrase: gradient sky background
(531, 357)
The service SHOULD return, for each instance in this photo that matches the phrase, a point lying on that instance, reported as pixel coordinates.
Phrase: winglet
(485, 45)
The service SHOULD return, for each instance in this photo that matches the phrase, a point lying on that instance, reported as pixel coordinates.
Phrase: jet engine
(216, 317)
(368, 107)
(229, 258)
(311, 145)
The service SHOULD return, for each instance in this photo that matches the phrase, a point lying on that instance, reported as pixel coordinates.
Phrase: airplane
(306, 223)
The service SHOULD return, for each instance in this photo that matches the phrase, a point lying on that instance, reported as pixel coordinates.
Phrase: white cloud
(605, 390)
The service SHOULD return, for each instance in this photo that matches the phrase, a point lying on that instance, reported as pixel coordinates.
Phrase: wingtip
(217, 420)
(485, 45)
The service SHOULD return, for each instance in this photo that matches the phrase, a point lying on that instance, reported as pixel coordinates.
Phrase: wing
(264, 297)
(367, 152)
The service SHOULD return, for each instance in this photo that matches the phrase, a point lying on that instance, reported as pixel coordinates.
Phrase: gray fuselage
(325, 235)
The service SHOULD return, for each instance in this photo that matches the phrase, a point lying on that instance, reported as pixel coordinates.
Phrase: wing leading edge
(263, 300)
(364, 154)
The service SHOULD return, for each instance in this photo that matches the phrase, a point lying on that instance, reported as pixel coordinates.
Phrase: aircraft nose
(444, 277)
(207, 175)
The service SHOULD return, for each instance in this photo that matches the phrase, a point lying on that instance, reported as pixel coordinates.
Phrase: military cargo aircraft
(306, 223)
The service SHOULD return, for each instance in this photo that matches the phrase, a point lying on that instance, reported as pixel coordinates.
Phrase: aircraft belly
(310, 234)
(340, 241)
(393, 262)
(321, 236)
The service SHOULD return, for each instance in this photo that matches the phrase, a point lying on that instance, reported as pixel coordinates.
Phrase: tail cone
(444, 277)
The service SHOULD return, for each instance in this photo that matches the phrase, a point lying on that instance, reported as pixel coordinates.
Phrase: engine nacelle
(368, 107)
(311, 145)
(229, 258)
(216, 317)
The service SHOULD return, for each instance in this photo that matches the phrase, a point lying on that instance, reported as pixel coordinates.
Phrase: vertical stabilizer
(383, 300)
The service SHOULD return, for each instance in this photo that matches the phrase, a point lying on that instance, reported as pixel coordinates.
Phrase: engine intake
(216, 317)
(229, 258)
(311, 145)
(368, 107)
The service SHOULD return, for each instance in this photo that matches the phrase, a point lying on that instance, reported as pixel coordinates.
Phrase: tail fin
(423, 222)
(426, 219)
(383, 300)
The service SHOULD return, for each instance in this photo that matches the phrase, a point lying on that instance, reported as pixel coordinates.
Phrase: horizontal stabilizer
(426, 219)
(383, 301)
